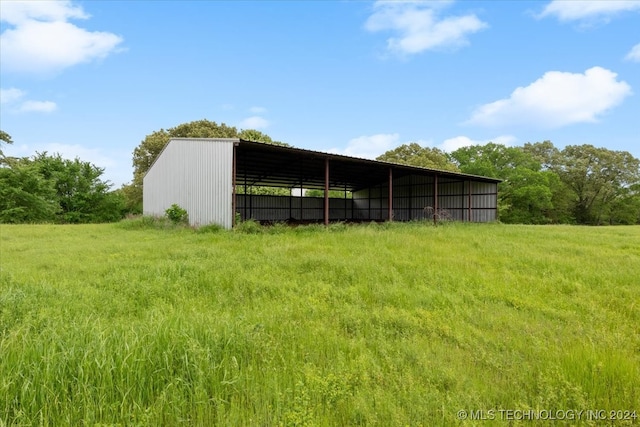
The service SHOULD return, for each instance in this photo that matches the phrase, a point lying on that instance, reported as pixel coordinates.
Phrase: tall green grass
(392, 324)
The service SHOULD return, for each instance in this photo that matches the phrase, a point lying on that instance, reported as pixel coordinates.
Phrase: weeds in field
(388, 324)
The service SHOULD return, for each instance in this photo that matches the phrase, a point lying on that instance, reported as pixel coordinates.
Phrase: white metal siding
(195, 174)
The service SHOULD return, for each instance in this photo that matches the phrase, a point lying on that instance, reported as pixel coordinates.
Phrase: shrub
(177, 215)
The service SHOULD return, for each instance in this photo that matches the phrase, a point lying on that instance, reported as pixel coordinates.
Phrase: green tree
(601, 180)
(6, 139)
(626, 208)
(524, 195)
(25, 195)
(335, 194)
(257, 136)
(81, 194)
(414, 154)
(544, 153)
(47, 188)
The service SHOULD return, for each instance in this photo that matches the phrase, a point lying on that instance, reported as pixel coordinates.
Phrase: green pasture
(381, 324)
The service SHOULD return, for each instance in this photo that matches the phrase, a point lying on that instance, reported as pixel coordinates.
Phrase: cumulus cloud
(369, 146)
(372, 146)
(38, 106)
(418, 26)
(40, 40)
(9, 96)
(556, 99)
(576, 10)
(13, 99)
(634, 54)
(254, 122)
(452, 144)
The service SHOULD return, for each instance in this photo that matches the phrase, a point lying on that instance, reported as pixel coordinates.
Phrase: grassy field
(389, 325)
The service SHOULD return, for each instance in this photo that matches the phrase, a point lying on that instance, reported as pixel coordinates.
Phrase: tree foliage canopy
(413, 154)
(599, 179)
(48, 188)
(580, 184)
(6, 139)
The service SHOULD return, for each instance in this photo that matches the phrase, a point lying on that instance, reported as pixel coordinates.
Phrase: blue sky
(93, 78)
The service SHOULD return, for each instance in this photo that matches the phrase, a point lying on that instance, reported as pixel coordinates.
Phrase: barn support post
(326, 191)
(411, 185)
(290, 203)
(390, 215)
(435, 198)
(345, 202)
(244, 200)
(469, 204)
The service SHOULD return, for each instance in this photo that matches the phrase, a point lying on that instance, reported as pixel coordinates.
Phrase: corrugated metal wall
(285, 208)
(413, 199)
(197, 175)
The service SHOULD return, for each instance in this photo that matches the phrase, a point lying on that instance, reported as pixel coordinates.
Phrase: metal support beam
(326, 191)
(245, 203)
(390, 194)
(435, 198)
(469, 207)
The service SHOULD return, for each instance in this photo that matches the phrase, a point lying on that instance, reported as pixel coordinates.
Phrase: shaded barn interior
(213, 179)
(416, 193)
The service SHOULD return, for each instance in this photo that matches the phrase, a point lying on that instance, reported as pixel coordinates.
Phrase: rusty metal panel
(196, 174)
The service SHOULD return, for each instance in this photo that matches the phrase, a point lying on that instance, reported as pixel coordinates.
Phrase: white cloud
(576, 10)
(9, 96)
(452, 144)
(258, 110)
(372, 146)
(418, 26)
(634, 54)
(22, 11)
(254, 122)
(12, 98)
(556, 99)
(38, 106)
(41, 41)
(369, 147)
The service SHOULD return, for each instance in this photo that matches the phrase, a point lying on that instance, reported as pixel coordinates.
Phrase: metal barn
(212, 179)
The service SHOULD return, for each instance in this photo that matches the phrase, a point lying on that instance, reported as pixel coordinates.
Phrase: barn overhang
(260, 164)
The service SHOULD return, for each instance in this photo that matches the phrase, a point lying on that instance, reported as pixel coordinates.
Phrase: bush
(177, 215)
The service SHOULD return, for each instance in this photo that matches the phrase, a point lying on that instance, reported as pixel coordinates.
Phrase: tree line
(541, 184)
(48, 188)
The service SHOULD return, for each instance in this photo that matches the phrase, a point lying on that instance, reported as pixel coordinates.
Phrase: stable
(215, 180)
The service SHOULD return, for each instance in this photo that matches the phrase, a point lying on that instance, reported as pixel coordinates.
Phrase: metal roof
(271, 165)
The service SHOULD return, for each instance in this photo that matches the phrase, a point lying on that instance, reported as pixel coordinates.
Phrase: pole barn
(215, 179)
